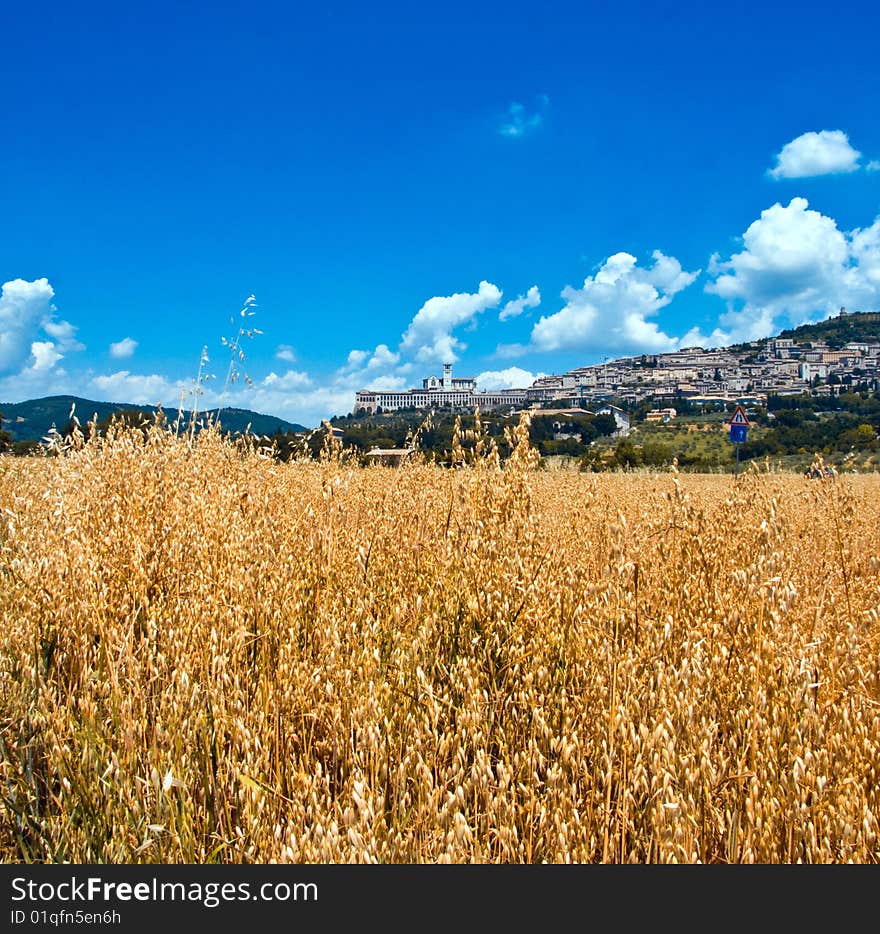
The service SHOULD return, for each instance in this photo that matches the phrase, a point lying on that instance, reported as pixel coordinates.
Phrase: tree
(5, 437)
(626, 454)
(605, 424)
(124, 419)
(26, 448)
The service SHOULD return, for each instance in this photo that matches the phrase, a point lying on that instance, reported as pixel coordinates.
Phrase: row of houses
(717, 376)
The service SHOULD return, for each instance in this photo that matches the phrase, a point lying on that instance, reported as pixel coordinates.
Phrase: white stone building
(438, 392)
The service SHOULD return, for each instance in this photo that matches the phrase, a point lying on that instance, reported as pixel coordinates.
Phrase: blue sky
(520, 190)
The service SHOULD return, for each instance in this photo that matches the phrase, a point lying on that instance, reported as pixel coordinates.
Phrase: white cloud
(718, 337)
(292, 379)
(612, 308)
(292, 395)
(28, 369)
(286, 353)
(513, 377)
(797, 265)
(307, 407)
(515, 307)
(31, 383)
(124, 348)
(430, 336)
(45, 355)
(138, 389)
(521, 121)
(864, 272)
(23, 307)
(389, 383)
(27, 314)
(511, 351)
(356, 358)
(64, 334)
(825, 153)
(381, 358)
(873, 166)
(298, 397)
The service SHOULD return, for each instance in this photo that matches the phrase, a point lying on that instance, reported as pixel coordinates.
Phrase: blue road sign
(738, 433)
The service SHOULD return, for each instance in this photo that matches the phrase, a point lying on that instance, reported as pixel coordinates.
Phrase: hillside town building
(438, 392)
(746, 374)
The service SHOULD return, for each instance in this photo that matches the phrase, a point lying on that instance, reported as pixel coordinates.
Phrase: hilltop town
(840, 353)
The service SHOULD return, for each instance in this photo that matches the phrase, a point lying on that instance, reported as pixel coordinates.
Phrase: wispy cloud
(519, 120)
(286, 353)
(511, 351)
(64, 334)
(515, 307)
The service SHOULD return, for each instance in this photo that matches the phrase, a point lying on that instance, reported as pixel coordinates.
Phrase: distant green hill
(32, 420)
(839, 330)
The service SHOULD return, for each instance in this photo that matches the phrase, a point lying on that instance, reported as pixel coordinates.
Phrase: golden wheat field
(209, 655)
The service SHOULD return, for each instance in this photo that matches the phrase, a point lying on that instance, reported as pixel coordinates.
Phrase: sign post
(739, 425)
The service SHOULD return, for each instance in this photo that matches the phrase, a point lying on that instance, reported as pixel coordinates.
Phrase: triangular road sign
(739, 417)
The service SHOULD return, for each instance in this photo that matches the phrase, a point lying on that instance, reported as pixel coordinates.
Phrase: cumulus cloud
(612, 308)
(292, 395)
(152, 389)
(827, 152)
(796, 265)
(299, 398)
(356, 358)
(389, 382)
(520, 121)
(23, 308)
(695, 337)
(379, 358)
(307, 406)
(45, 355)
(382, 357)
(430, 336)
(29, 368)
(515, 307)
(292, 379)
(124, 348)
(30, 383)
(873, 166)
(27, 316)
(513, 377)
(286, 353)
(863, 279)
